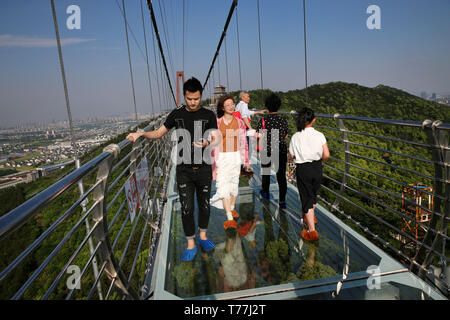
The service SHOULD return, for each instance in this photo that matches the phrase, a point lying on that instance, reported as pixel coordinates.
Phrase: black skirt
(309, 179)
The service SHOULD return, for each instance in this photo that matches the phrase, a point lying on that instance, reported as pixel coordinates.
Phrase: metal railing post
(346, 267)
(157, 225)
(88, 230)
(344, 133)
(440, 138)
(106, 254)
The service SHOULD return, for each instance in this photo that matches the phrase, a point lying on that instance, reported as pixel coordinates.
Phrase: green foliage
(5, 172)
(186, 276)
(11, 197)
(351, 99)
(316, 271)
(277, 254)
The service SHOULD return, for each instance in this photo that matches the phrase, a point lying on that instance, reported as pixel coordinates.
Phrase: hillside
(356, 100)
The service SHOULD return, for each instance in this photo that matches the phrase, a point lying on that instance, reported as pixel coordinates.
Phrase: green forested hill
(355, 100)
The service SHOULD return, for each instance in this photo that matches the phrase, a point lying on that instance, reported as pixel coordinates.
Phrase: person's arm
(254, 223)
(325, 152)
(247, 123)
(259, 112)
(155, 134)
(243, 146)
(213, 135)
(214, 140)
(245, 115)
(291, 150)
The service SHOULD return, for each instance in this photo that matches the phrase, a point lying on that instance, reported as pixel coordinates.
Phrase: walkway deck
(273, 262)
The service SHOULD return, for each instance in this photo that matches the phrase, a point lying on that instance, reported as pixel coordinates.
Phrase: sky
(410, 51)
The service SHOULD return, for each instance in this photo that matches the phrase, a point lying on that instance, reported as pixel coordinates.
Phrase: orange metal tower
(179, 74)
(416, 193)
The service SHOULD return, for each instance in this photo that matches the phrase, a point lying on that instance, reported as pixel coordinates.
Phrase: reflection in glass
(266, 249)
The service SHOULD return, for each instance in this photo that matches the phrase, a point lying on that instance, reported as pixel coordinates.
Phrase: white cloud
(7, 40)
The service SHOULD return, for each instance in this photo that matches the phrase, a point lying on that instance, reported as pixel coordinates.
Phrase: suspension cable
(146, 56)
(63, 73)
(183, 35)
(133, 35)
(260, 55)
(130, 29)
(230, 14)
(161, 51)
(162, 12)
(129, 59)
(304, 44)
(226, 65)
(218, 66)
(239, 50)
(156, 68)
(213, 79)
(166, 94)
(186, 32)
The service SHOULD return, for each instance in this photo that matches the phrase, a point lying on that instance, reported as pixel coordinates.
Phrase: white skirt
(228, 171)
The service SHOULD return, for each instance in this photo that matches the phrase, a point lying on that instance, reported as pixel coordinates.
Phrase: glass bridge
(66, 243)
(266, 257)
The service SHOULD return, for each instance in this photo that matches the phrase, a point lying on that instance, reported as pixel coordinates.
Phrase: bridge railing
(60, 245)
(390, 180)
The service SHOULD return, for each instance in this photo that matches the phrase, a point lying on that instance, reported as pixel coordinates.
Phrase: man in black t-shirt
(193, 126)
(191, 131)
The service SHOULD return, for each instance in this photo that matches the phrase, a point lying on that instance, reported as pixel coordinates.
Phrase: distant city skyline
(409, 52)
(88, 119)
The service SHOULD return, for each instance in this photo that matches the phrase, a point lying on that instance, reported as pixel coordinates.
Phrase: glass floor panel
(266, 252)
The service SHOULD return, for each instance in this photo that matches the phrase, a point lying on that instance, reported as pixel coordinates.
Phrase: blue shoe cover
(189, 254)
(264, 195)
(206, 244)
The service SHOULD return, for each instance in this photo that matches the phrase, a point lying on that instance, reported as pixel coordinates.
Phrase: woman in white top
(309, 149)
